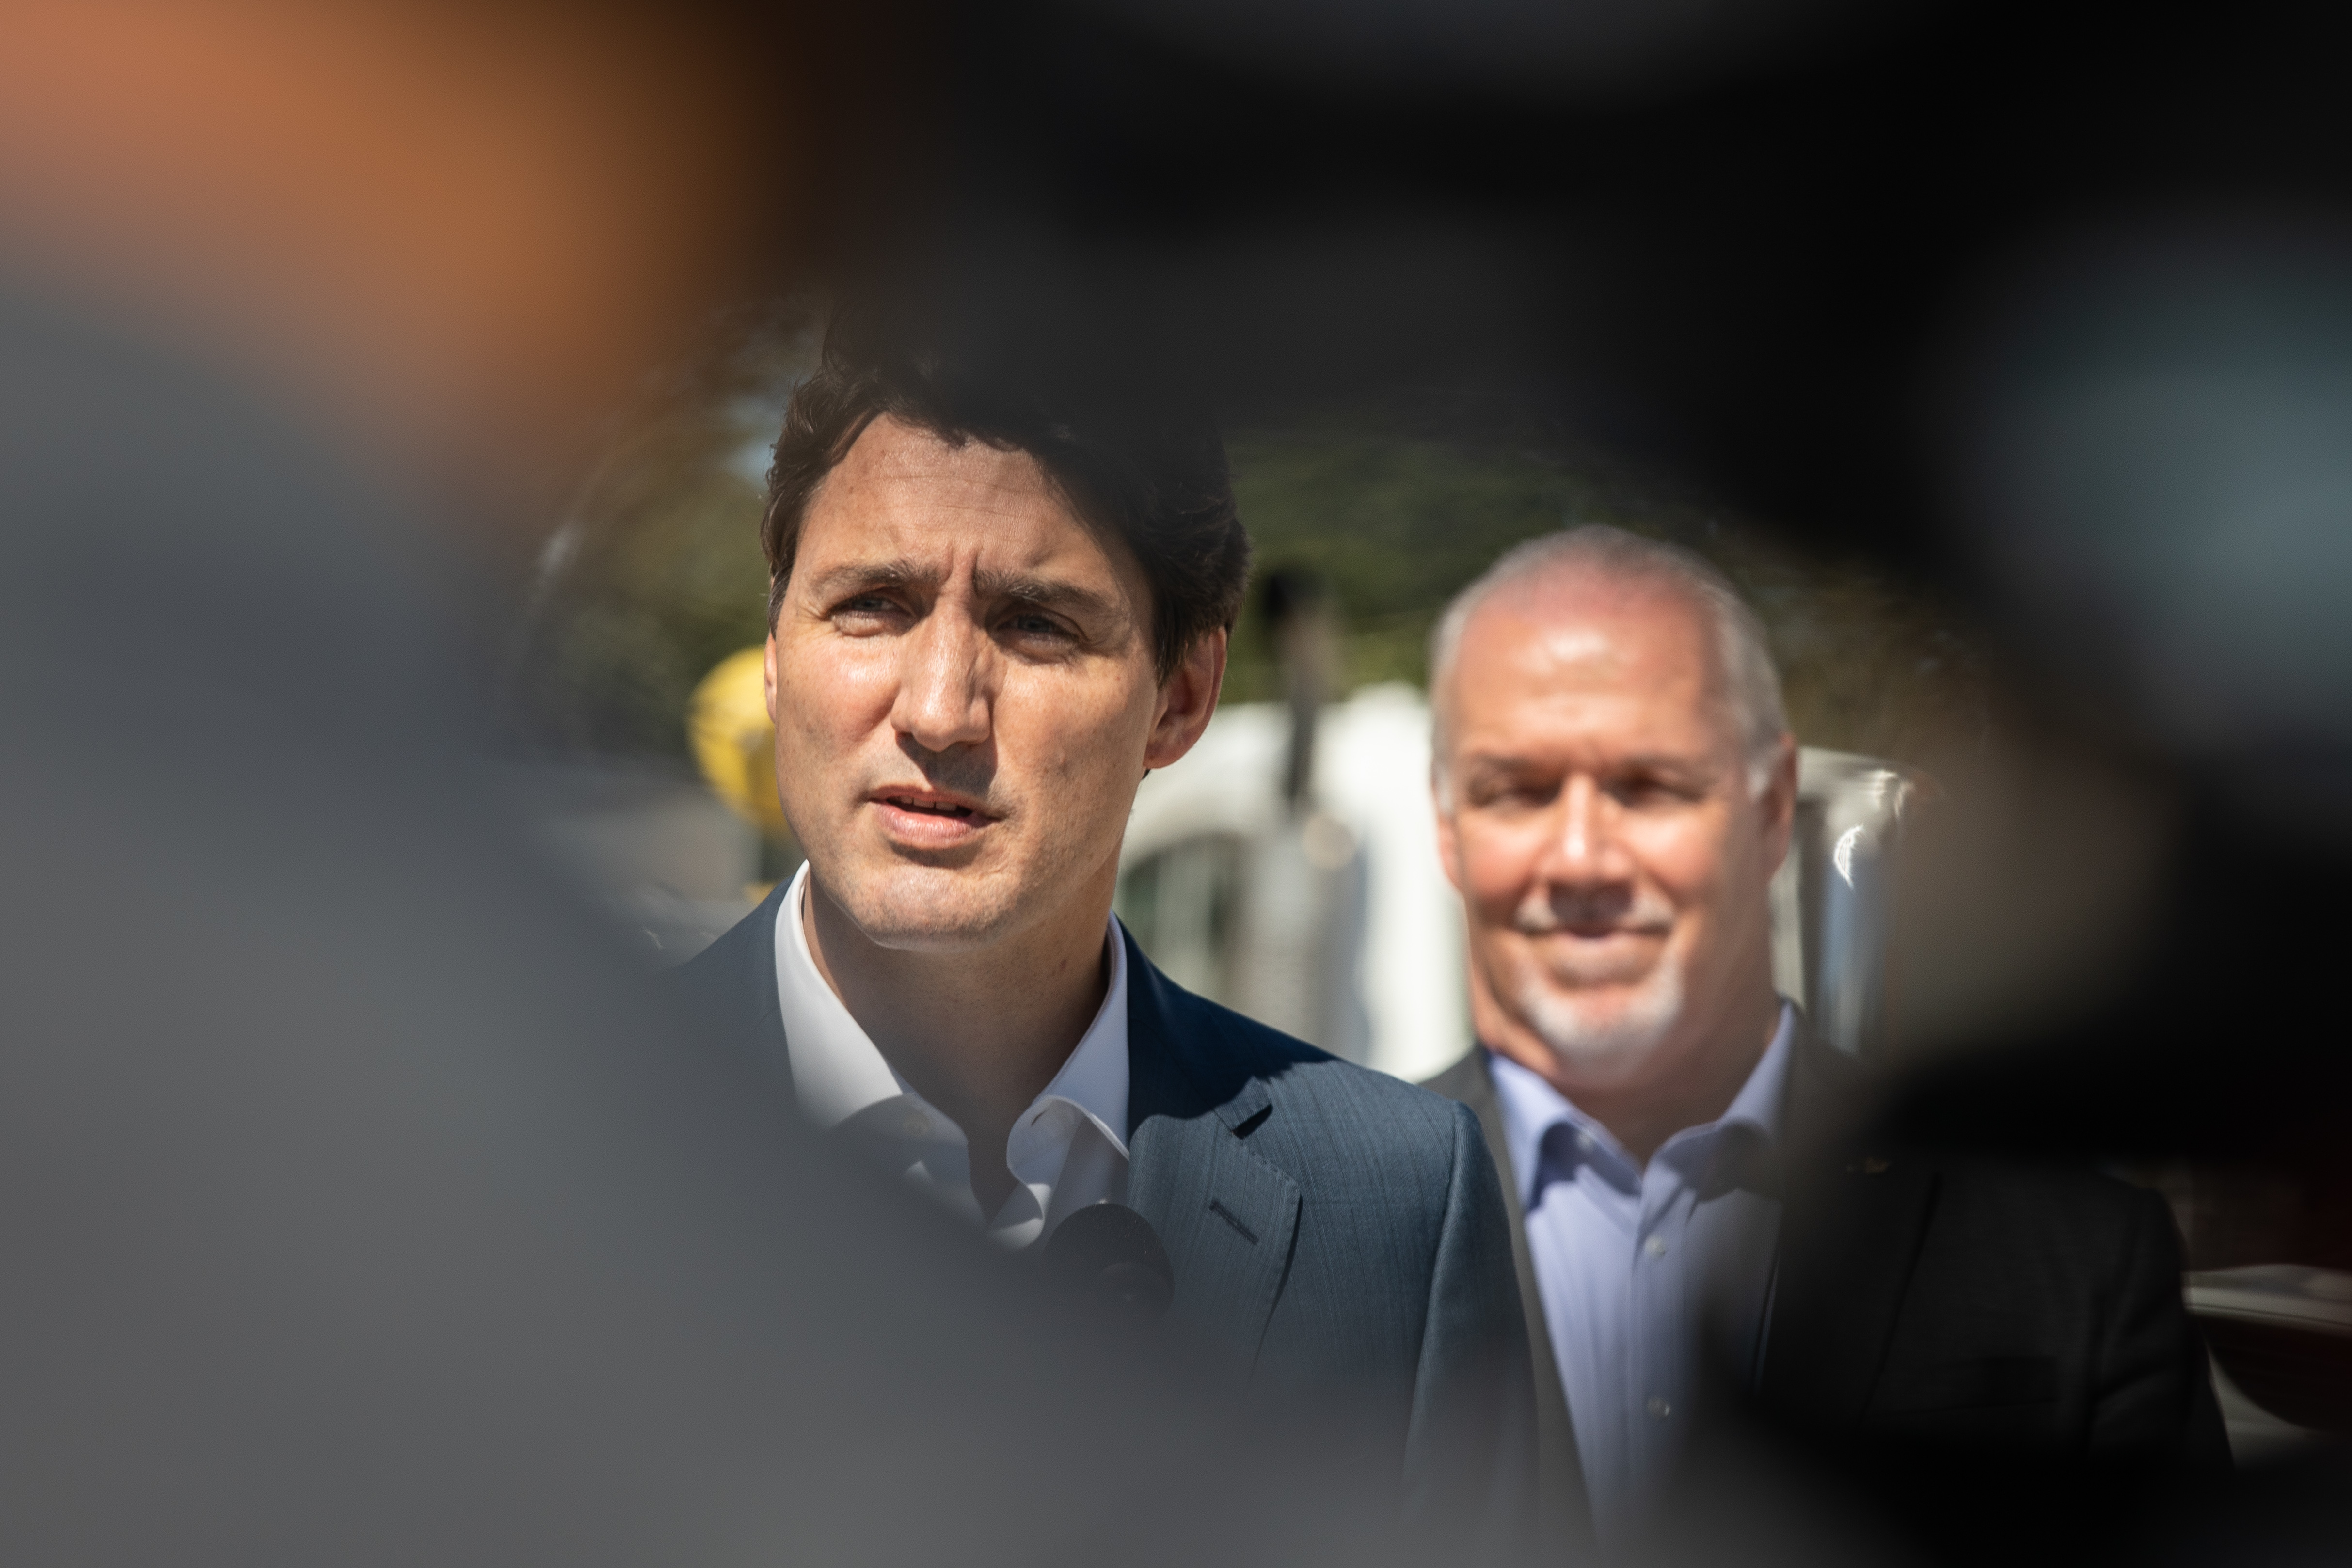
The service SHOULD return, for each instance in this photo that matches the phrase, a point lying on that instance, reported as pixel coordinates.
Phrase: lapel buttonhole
(1230, 1218)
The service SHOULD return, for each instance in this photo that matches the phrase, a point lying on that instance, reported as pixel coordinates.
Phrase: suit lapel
(1227, 1217)
(1856, 1218)
(1566, 1513)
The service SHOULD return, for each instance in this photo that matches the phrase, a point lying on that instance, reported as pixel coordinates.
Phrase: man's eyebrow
(1661, 763)
(1668, 764)
(1021, 588)
(1045, 592)
(856, 574)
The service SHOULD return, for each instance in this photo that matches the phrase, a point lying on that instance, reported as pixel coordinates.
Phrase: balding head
(1597, 564)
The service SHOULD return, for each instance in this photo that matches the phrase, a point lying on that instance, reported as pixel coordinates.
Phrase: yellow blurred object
(734, 743)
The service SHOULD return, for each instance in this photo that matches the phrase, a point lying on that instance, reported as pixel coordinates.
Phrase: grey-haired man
(1615, 784)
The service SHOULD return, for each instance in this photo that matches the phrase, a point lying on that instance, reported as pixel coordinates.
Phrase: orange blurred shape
(471, 226)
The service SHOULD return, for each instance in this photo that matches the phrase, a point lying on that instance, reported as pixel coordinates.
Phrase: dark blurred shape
(2282, 1517)
(2143, 426)
(1109, 1257)
(1302, 905)
(1295, 604)
(1604, 51)
(1746, 1494)
(2152, 457)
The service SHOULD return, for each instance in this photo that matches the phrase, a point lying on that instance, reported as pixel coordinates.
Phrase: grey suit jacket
(1931, 1308)
(1334, 1232)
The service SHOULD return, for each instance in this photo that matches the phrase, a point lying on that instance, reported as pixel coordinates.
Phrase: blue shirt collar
(1531, 1107)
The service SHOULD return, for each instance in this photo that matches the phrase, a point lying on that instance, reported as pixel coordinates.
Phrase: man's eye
(1640, 792)
(1513, 794)
(1030, 625)
(865, 613)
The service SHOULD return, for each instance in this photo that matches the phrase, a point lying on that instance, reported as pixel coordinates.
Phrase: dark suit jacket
(1931, 1306)
(1331, 1228)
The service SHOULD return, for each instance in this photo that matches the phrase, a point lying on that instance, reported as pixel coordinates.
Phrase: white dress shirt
(1068, 1150)
(1634, 1263)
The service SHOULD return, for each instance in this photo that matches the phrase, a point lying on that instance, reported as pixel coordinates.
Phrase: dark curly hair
(1137, 464)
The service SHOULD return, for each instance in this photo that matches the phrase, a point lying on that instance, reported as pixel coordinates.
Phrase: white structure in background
(1833, 899)
(1339, 923)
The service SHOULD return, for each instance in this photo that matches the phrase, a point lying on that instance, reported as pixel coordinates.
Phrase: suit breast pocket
(1995, 1396)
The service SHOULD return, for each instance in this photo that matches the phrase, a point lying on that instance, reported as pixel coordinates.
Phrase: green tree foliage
(656, 594)
(656, 574)
(1398, 524)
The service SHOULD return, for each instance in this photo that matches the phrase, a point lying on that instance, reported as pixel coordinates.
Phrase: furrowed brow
(1045, 592)
(851, 576)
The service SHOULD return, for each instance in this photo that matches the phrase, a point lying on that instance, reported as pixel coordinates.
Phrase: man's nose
(1583, 847)
(944, 683)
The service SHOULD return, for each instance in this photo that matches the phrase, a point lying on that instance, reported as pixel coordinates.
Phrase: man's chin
(1604, 1035)
(919, 915)
(1602, 1063)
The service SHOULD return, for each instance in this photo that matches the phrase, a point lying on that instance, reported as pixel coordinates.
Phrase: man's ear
(767, 674)
(1187, 699)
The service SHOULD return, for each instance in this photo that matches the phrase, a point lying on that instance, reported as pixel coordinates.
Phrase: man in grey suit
(1615, 784)
(997, 602)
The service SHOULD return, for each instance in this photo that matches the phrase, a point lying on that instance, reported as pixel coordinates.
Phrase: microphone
(1109, 1256)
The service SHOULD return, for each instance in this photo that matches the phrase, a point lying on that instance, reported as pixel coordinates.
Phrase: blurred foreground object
(465, 229)
(2149, 450)
(645, 841)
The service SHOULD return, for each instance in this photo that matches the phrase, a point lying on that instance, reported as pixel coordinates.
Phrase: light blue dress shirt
(1637, 1264)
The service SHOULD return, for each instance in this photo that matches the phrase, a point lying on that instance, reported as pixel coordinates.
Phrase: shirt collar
(1760, 1101)
(1093, 1081)
(838, 1071)
(1531, 1107)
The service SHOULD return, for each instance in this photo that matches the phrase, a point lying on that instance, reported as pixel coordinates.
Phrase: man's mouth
(926, 810)
(927, 807)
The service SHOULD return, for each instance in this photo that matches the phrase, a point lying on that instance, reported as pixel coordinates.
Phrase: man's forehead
(893, 464)
(1633, 667)
(911, 495)
(1592, 633)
